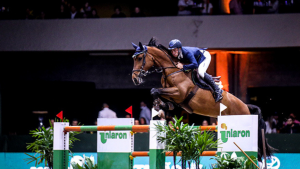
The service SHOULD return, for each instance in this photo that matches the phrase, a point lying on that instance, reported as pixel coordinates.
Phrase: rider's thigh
(204, 65)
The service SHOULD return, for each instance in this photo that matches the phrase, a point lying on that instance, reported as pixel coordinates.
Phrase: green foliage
(43, 144)
(205, 141)
(176, 135)
(187, 139)
(226, 162)
(88, 164)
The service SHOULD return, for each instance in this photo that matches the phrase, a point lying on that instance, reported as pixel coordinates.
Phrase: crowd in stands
(67, 10)
(276, 124)
(238, 7)
(64, 10)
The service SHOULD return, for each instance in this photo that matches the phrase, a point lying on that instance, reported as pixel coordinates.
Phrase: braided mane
(152, 42)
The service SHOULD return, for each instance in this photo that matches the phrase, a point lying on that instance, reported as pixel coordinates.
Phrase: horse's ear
(141, 46)
(134, 45)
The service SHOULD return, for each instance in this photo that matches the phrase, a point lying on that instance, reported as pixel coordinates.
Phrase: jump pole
(107, 158)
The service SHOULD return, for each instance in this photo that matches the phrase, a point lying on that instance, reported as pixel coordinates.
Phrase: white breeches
(204, 65)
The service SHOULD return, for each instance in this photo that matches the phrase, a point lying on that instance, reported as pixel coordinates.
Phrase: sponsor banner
(114, 141)
(241, 129)
(16, 161)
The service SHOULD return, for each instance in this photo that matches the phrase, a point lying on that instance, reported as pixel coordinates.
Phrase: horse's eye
(140, 58)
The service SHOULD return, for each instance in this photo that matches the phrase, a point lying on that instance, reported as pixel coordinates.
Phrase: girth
(185, 103)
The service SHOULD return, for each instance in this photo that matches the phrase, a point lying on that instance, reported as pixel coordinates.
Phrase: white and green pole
(60, 146)
(157, 157)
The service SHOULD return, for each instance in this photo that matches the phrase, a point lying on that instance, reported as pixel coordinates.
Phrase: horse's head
(143, 61)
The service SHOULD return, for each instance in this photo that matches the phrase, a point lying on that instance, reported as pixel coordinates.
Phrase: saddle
(199, 83)
(197, 80)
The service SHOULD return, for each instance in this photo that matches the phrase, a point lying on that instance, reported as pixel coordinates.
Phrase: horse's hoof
(154, 91)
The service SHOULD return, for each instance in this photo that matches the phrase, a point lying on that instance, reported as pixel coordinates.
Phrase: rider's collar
(139, 51)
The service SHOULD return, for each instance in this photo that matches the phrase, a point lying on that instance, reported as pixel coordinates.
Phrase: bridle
(141, 70)
(160, 69)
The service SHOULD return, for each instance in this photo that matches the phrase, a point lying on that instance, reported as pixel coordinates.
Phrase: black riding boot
(217, 91)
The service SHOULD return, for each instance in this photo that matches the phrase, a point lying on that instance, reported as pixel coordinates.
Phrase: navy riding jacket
(191, 55)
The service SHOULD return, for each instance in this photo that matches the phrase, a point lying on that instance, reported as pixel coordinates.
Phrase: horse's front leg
(170, 93)
(167, 93)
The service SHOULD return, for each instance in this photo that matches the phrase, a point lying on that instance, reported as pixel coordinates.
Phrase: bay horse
(178, 88)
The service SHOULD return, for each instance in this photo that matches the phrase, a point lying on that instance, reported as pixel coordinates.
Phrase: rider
(197, 58)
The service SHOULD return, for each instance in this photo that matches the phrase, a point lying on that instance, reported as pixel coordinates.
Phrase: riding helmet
(175, 43)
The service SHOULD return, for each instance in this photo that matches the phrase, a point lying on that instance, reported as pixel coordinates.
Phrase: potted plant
(187, 139)
(225, 161)
(87, 163)
(204, 140)
(43, 145)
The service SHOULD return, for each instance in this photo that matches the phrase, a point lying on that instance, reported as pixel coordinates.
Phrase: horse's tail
(255, 110)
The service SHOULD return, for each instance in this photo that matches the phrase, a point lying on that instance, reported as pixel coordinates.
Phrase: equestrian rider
(198, 58)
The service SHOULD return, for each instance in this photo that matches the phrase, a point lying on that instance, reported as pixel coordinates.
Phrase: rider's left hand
(180, 65)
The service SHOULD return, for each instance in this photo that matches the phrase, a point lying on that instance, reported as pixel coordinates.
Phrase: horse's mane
(153, 42)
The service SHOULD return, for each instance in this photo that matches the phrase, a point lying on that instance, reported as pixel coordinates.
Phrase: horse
(178, 88)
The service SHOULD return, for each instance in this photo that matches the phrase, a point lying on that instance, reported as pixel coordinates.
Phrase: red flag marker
(60, 115)
(129, 110)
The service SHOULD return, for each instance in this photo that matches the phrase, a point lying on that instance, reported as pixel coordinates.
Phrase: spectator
(274, 123)
(142, 121)
(66, 5)
(235, 7)
(206, 7)
(29, 14)
(145, 113)
(294, 117)
(74, 122)
(136, 122)
(127, 116)
(106, 112)
(137, 12)
(290, 127)
(74, 14)
(118, 13)
(184, 7)
(62, 14)
(213, 121)
(82, 13)
(268, 126)
(93, 14)
(204, 123)
(87, 8)
(41, 15)
(274, 6)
